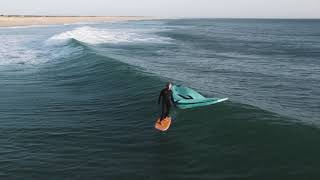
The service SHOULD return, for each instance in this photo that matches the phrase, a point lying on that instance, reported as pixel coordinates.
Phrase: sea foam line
(92, 35)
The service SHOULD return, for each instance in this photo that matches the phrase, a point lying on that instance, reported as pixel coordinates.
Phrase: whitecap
(92, 35)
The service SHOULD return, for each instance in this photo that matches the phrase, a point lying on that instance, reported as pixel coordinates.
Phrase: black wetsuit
(167, 101)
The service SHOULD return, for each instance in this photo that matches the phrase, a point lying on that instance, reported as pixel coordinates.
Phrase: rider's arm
(159, 97)
(171, 99)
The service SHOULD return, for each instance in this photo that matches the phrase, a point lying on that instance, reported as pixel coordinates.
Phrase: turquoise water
(79, 101)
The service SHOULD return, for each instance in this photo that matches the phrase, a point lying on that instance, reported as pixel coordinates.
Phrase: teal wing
(185, 97)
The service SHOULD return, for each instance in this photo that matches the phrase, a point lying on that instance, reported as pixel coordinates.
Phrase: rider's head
(169, 86)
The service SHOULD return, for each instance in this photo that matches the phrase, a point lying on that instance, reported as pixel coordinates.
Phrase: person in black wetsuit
(167, 100)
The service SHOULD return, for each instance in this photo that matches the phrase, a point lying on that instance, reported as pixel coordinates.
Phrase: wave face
(79, 101)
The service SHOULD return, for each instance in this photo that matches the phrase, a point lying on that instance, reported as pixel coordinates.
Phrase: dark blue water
(79, 101)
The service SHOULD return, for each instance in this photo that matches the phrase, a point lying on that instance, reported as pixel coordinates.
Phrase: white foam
(13, 52)
(91, 35)
(30, 26)
(22, 49)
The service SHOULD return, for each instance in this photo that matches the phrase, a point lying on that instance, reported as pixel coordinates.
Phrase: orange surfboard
(164, 125)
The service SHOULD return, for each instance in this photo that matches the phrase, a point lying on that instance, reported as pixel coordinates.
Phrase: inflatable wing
(185, 98)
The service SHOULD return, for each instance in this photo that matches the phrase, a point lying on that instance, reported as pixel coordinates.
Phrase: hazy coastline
(25, 20)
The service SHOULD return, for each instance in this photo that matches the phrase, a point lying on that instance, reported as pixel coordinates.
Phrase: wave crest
(92, 35)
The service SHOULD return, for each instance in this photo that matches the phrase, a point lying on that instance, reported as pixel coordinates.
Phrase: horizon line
(177, 17)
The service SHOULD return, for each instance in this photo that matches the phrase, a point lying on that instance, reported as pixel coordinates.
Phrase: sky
(167, 8)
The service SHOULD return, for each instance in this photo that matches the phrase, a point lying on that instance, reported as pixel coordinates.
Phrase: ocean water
(79, 101)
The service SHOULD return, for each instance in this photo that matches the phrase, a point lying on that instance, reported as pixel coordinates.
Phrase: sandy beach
(7, 21)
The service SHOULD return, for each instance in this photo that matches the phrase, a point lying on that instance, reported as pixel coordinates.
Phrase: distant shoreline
(26, 20)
